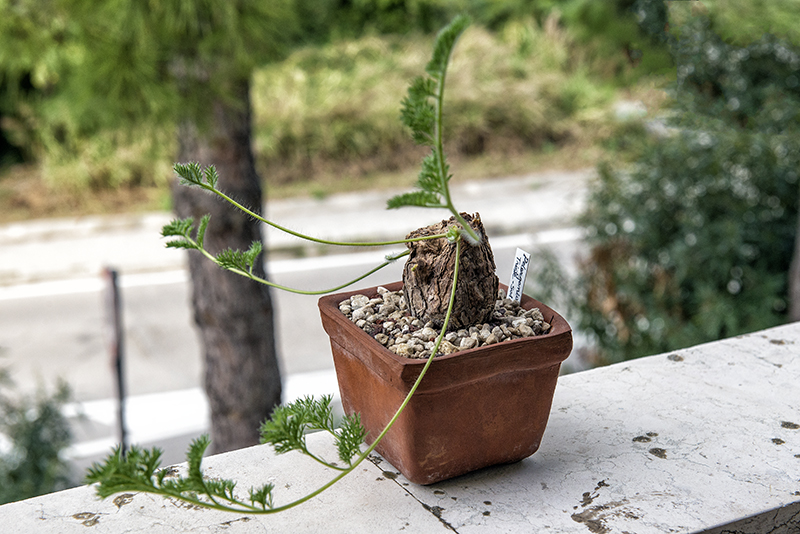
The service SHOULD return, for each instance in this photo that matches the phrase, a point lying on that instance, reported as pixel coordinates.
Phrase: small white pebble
(401, 349)
(359, 301)
(468, 343)
(447, 348)
(525, 330)
(407, 336)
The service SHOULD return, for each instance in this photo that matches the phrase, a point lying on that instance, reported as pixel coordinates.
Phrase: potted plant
(475, 408)
(414, 382)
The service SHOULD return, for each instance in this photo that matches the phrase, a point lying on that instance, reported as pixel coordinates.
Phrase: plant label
(518, 275)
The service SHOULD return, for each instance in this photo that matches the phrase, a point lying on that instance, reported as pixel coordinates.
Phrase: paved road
(52, 320)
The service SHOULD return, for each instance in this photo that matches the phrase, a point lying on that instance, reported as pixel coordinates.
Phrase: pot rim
(559, 328)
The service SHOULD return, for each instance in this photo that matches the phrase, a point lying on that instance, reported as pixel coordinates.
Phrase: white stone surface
(723, 449)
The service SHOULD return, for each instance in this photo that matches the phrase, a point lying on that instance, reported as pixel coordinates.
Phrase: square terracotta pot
(474, 408)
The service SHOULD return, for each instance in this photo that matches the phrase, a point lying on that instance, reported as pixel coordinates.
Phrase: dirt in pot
(388, 319)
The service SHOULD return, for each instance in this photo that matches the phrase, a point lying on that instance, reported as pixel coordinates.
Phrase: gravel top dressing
(387, 319)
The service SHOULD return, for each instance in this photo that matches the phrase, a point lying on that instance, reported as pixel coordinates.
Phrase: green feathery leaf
(285, 430)
(445, 41)
(262, 496)
(422, 199)
(350, 437)
(138, 470)
(182, 243)
(418, 113)
(238, 260)
(189, 173)
(123, 472)
(201, 230)
(211, 176)
(422, 112)
(251, 255)
(195, 459)
(181, 228)
(429, 178)
(178, 227)
(193, 174)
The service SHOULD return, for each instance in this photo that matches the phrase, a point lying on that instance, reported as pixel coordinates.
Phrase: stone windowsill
(684, 442)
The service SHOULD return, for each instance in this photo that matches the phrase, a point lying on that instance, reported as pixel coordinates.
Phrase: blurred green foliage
(693, 236)
(91, 91)
(338, 103)
(529, 79)
(35, 433)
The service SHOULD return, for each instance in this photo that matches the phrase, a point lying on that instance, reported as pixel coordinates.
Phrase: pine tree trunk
(794, 277)
(234, 315)
(428, 277)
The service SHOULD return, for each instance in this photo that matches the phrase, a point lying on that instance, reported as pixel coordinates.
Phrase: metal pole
(116, 346)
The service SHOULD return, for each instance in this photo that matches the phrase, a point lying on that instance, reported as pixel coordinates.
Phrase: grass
(526, 98)
(25, 194)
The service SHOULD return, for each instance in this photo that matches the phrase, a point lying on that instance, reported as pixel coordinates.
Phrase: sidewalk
(46, 250)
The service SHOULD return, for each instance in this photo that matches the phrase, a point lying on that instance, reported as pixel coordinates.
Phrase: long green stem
(219, 495)
(365, 454)
(266, 282)
(311, 238)
(468, 231)
(243, 507)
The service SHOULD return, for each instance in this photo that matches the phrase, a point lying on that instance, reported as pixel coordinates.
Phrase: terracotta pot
(474, 408)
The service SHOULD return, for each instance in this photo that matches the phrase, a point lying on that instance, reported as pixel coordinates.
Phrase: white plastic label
(518, 275)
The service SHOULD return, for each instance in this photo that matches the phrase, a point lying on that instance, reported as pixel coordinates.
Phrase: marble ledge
(702, 440)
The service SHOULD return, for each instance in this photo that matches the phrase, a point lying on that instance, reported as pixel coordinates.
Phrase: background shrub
(692, 239)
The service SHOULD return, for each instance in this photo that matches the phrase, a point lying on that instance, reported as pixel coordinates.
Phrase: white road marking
(159, 416)
(95, 284)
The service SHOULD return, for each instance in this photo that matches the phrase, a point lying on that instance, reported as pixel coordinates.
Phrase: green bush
(692, 241)
(35, 432)
(519, 88)
(546, 74)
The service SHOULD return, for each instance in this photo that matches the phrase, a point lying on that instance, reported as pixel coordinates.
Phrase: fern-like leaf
(201, 230)
(212, 178)
(250, 256)
(178, 227)
(262, 496)
(429, 178)
(181, 228)
(194, 458)
(123, 472)
(232, 260)
(422, 113)
(422, 199)
(350, 437)
(418, 113)
(445, 41)
(189, 173)
(285, 430)
(181, 243)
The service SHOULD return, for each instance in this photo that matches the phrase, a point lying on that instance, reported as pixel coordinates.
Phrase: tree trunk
(233, 313)
(794, 277)
(428, 277)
